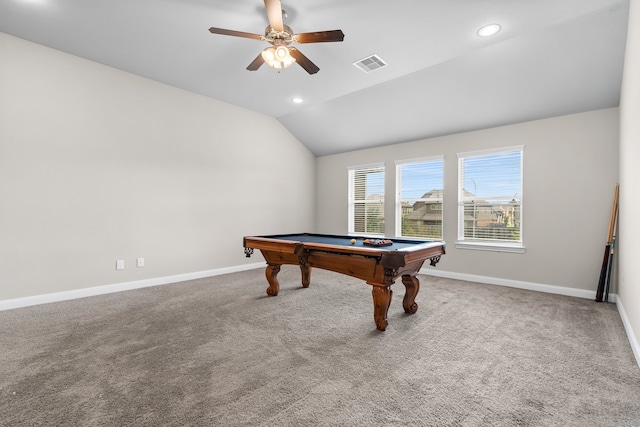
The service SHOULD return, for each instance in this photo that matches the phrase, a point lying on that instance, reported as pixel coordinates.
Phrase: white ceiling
(552, 57)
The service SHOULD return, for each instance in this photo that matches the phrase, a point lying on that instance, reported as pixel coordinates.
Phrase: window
(420, 185)
(490, 199)
(366, 199)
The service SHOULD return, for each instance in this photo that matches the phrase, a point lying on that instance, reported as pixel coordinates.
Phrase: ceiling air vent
(370, 63)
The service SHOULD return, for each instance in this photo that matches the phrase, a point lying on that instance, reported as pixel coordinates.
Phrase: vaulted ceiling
(551, 57)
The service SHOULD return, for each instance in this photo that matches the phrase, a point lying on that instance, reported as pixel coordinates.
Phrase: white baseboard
(125, 286)
(635, 346)
(119, 287)
(550, 289)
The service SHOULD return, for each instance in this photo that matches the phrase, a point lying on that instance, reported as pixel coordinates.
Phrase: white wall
(98, 165)
(628, 250)
(570, 172)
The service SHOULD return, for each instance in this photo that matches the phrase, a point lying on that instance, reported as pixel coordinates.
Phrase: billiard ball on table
(353, 241)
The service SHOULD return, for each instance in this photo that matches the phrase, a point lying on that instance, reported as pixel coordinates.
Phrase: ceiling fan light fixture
(269, 55)
(278, 57)
(282, 53)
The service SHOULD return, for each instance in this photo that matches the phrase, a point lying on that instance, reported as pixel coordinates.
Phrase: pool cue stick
(607, 249)
(611, 251)
(603, 273)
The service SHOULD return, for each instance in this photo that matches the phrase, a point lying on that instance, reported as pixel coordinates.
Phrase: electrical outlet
(120, 264)
(140, 262)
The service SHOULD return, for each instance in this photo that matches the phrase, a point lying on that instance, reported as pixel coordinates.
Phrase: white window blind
(490, 196)
(420, 184)
(366, 199)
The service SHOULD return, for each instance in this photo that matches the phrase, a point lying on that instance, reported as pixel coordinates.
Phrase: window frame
(352, 202)
(499, 245)
(398, 199)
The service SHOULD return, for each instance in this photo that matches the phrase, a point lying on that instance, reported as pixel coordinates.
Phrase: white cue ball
(353, 241)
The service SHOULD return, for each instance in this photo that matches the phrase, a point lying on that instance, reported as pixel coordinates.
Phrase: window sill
(494, 247)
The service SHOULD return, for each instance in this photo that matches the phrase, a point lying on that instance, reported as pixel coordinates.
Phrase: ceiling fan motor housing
(273, 36)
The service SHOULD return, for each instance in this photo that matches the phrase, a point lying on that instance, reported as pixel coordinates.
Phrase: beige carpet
(219, 352)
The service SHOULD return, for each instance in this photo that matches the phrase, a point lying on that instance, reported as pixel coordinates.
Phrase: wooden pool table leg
(306, 275)
(272, 277)
(412, 285)
(381, 300)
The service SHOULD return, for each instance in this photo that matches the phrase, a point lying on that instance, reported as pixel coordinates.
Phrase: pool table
(379, 266)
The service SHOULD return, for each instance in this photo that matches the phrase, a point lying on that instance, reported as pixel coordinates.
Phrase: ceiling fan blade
(320, 36)
(274, 14)
(256, 63)
(304, 62)
(234, 33)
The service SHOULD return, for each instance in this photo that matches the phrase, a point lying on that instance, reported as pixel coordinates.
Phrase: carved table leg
(381, 301)
(306, 275)
(412, 285)
(272, 277)
(306, 271)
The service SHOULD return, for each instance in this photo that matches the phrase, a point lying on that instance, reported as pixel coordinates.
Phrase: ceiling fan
(280, 55)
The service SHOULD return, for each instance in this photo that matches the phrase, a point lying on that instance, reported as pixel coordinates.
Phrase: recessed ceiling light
(297, 100)
(489, 30)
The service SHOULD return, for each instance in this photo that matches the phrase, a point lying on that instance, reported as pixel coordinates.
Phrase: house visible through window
(420, 185)
(366, 199)
(490, 197)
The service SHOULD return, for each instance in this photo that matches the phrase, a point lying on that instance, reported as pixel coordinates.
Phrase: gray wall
(98, 165)
(628, 249)
(570, 171)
